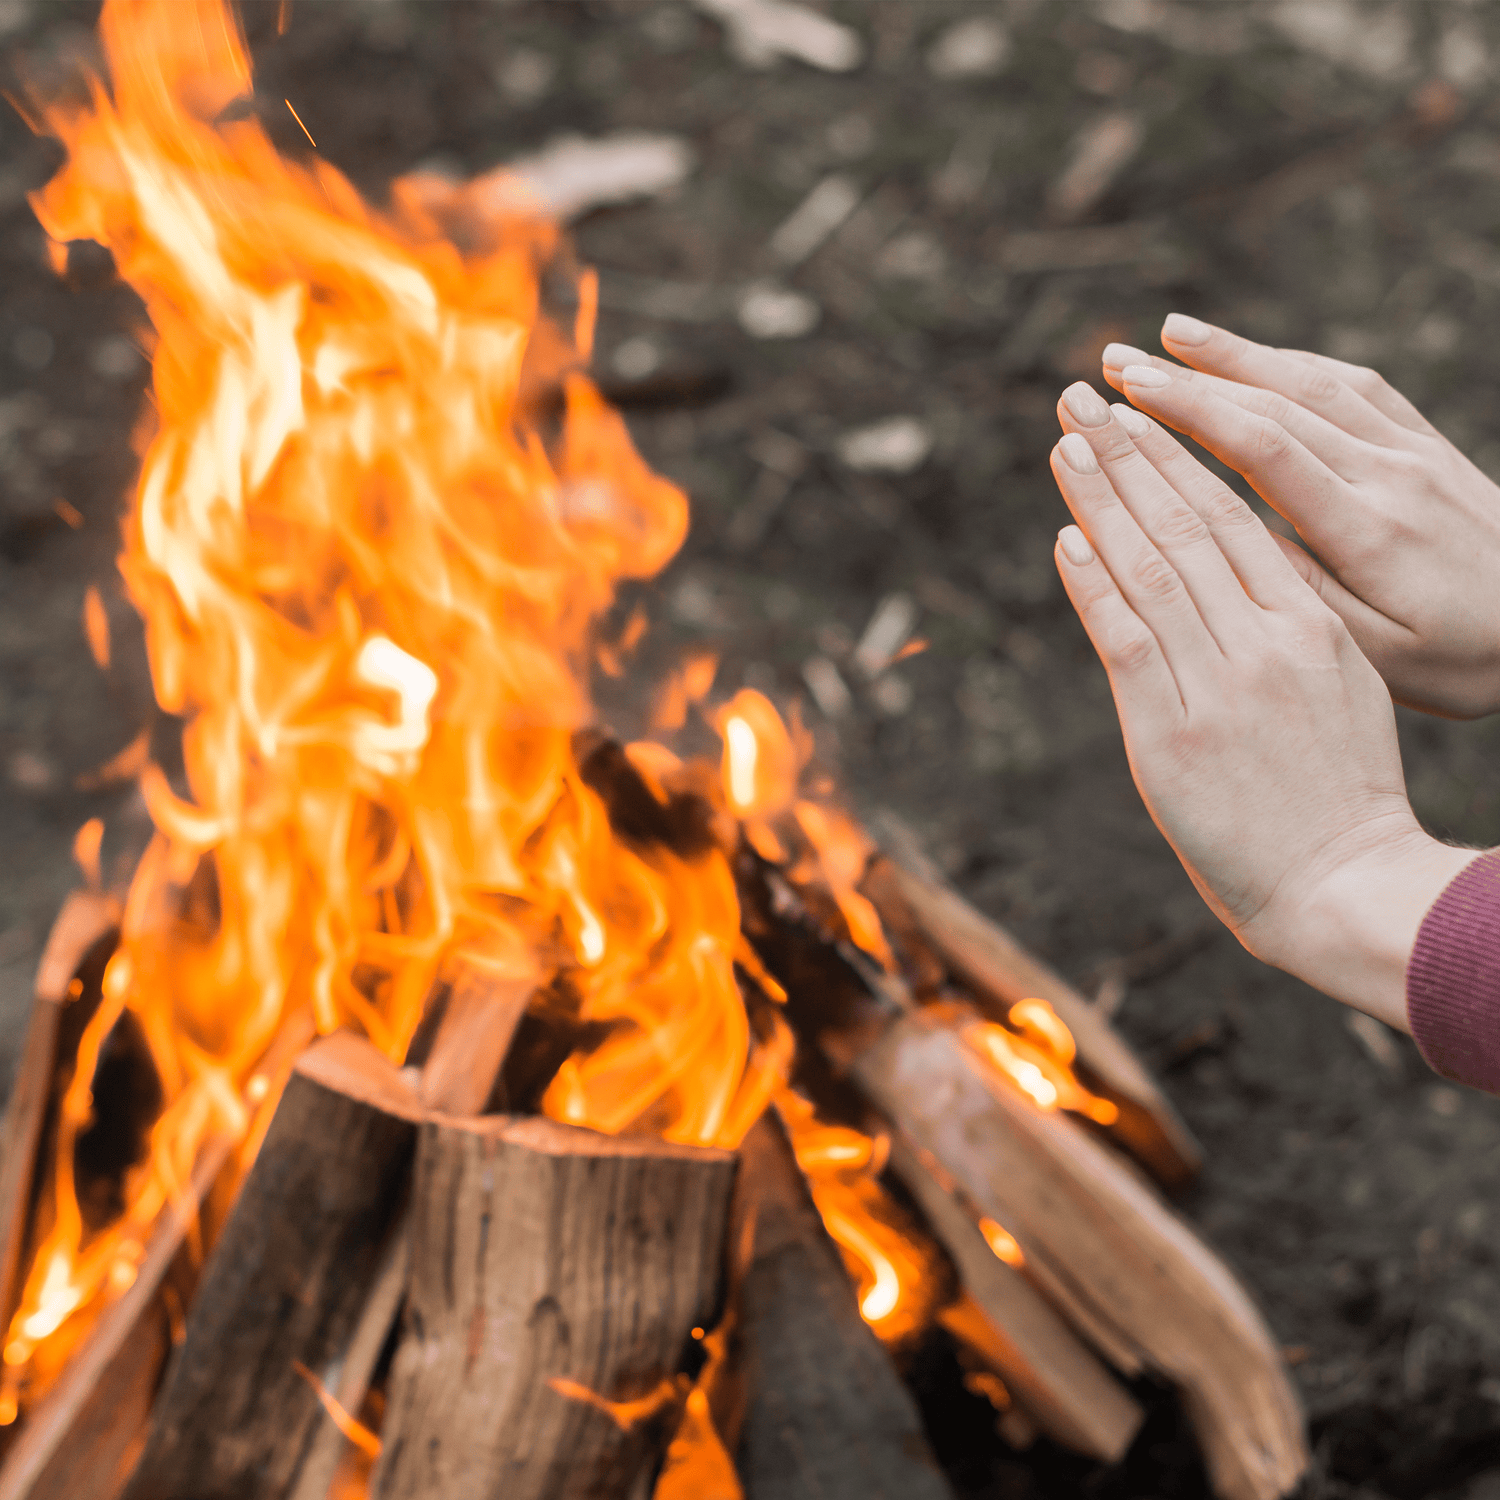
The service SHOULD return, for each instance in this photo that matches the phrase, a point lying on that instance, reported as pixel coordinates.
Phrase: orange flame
(841, 1165)
(370, 579)
(1037, 1057)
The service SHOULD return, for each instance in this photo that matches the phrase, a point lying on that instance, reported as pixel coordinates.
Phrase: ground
(1321, 174)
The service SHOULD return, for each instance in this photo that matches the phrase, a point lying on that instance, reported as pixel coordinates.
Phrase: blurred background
(849, 256)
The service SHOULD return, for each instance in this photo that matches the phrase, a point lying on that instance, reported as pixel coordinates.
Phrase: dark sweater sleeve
(1453, 978)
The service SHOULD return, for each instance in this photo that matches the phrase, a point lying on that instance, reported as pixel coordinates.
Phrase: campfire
(459, 1101)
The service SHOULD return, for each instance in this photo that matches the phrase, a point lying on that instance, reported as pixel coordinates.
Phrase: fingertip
(1134, 422)
(1076, 453)
(1074, 546)
(1181, 329)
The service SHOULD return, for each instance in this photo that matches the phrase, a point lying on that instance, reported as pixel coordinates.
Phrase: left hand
(1261, 739)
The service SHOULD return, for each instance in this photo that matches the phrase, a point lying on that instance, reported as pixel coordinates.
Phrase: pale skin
(1260, 734)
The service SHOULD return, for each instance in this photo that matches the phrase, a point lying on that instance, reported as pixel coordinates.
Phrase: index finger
(1216, 351)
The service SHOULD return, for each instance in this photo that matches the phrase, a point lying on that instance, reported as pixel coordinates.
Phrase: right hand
(1263, 742)
(1402, 532)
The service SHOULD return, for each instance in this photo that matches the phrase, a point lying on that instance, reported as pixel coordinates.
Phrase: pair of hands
(1245, 668)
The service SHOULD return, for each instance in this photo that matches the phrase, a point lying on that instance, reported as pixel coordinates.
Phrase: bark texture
(286, 1282)
(556, 1278)
(827, 1417)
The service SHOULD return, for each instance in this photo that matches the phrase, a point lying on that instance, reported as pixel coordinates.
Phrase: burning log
(1096, 1241)
(543, 1359)
(81, 1441)
(912, 896)
(827, 1416)
(85, 921)
(1051, 1373)
(286, 1282)
(1094, 1236)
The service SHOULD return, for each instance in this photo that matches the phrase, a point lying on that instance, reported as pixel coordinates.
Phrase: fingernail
(1077, 454)
(1086, 405)
(1075, 546)
(1117, 356)
(1146, 377)
(1130, 419)
(1182, 329)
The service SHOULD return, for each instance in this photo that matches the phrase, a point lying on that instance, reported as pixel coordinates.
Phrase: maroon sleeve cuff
(1453, 978)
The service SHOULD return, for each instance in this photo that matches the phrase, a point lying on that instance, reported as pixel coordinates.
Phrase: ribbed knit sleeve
(1453, 978)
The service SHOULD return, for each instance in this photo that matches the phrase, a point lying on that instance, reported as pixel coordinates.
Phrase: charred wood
(84, 931)
(827, 1416)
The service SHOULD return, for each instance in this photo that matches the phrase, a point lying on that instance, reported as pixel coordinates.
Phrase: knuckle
(1270, 441)
(1156, 579)
(1181, 526)
(1224, 511)
(1129, 647)
(1274, 407)
(1320, 386)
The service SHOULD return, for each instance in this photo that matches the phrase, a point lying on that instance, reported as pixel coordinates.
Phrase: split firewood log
(286, 1282)
(827, 1417)
(82, 1439)
(1096, 1237)
(908, 891)
(557, 1276)
(461, 1055)
(1048, 1370)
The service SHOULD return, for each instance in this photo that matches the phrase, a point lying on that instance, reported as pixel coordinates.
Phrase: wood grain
(286, 1282)
(999, 971)
(1086, 1220)
(556, 1277)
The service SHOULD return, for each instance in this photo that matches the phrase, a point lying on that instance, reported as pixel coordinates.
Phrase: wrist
(1358, 924)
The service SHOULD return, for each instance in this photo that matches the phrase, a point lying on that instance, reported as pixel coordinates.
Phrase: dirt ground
(1322, 174)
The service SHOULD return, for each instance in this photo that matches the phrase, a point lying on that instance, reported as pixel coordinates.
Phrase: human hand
(1402, 531)
(1261, 739)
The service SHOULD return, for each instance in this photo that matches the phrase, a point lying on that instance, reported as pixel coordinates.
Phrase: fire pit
(459, 1102)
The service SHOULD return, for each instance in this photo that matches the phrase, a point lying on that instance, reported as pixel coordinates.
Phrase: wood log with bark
(827, 1416)
(1098, 1242)
(286, 1282)
(557, 1276)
